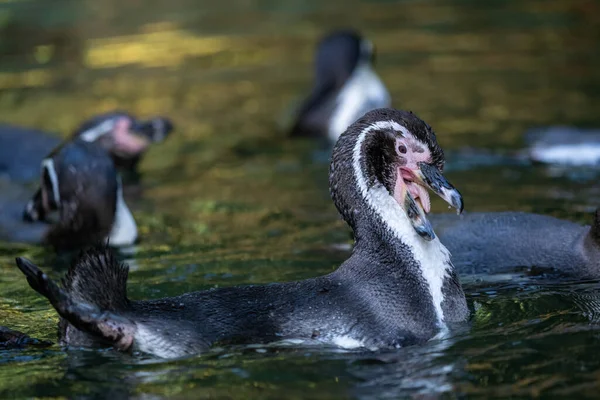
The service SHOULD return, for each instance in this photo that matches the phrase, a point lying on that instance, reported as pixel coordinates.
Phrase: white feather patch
(92, 134)
(577, 154)
(362, 93)
(150, 342)
(124, 229)
(346, 342)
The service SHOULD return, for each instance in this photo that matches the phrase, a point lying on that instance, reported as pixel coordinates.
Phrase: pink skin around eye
(412, 152)
(127, 142)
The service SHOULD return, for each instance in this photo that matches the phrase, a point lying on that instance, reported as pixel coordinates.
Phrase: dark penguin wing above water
(21, 151)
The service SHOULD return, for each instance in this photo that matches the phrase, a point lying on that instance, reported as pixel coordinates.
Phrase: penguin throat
(432, 257)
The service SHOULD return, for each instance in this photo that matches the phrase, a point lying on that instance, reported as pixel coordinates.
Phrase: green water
(229, 200)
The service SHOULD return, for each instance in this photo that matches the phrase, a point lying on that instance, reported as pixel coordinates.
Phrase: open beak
(416, 199)
(431, 177)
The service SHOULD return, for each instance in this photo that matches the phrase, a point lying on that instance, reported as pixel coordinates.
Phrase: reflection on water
(228, 200)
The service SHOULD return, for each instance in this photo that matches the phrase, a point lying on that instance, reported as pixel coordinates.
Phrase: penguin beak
(416, 199)
(431, 177)
(417, 217)
(156, 129)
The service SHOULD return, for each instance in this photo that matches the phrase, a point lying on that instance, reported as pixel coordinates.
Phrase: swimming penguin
(499, 242)
(345, 87)
(397, 288)
(124, 137)
(558, 146)
(80, 182)
(564, 145)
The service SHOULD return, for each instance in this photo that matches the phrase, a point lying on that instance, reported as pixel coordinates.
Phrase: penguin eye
(402, 149)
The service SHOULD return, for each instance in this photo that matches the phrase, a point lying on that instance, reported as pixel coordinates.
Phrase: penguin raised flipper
(71, 303)
(499, 242)
(398, 287)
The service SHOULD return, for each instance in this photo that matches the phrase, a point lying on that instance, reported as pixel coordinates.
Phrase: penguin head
(338, 54)
(123, 136)
(385, 163)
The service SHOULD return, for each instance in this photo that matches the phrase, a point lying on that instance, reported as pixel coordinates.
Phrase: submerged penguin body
(398, 287)
(564, 145)
(323, 309)
(504, 241)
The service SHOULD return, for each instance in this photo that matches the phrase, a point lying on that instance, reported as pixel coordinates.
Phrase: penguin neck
(385, 235)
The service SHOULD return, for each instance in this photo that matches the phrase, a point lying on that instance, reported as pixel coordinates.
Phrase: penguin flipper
(104, 325)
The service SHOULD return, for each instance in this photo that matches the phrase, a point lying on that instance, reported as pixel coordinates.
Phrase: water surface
(229, 200)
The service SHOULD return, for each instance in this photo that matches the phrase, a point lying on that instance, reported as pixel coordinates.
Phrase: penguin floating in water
(563, 145)
(345, 87)
(500, 242)
(80, 182)
(397, 288)
(122, 135)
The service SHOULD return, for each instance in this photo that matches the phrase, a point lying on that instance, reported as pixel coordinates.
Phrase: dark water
(228, 200)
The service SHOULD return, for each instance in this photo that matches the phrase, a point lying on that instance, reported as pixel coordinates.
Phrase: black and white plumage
(121, 134)
(80, 183)
(345, 87)
(397, 288)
